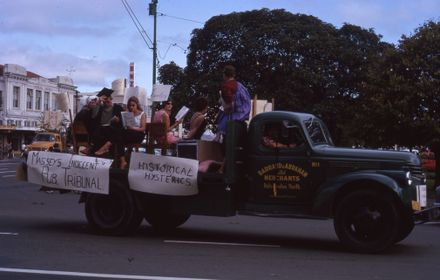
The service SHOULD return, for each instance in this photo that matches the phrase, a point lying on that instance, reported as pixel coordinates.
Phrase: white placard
(163, 175)
(128, 119)
(421, 195)
(69, 172)
(182, 113)
(160, 92)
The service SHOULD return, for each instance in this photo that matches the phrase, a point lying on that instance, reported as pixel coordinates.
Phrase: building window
(46, 101)
(29, 98)
(1, 99)
(16, 97)
(38, 100)
(54, 102)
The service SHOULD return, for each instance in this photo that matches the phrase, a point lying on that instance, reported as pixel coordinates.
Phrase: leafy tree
(171, 74)
(356, 51)
(402, 102)
(303, 63)
(377, 110)
(420, 58)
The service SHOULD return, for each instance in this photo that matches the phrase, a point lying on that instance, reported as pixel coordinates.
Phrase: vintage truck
(371, 195)
(46, 141)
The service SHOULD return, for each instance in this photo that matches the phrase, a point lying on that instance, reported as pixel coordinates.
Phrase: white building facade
(24, 99)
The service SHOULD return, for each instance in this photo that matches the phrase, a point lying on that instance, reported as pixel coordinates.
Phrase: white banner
(160, 92)
(69, 172)
(163, 175)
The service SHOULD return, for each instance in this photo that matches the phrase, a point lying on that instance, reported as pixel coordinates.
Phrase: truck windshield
(318, 132)
(44, 137)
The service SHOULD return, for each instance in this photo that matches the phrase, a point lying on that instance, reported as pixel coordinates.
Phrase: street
(45, 236)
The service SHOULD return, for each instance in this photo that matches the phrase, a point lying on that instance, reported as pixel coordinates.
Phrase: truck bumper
(428, 214)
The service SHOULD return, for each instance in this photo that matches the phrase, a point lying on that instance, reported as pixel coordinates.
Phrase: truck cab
(307, 172)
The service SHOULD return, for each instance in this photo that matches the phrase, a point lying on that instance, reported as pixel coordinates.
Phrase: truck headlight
(408, 178)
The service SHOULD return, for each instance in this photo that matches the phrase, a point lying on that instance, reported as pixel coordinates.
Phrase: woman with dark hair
(135, 132)
(163, 116)
(198, 123)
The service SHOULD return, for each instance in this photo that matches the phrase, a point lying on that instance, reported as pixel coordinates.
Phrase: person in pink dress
(163, 116)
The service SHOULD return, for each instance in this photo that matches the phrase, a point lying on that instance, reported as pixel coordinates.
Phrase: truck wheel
(367, 221)
(164, 221)
(406, 225)
(113, 214)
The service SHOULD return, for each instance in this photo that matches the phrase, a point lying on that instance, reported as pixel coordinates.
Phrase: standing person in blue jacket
(235, 99)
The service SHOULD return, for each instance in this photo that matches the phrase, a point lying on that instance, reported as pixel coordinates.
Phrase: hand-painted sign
(70, 172)
(163, 175)
(282, 178)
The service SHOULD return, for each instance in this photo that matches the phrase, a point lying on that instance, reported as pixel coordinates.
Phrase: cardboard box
(200, 150)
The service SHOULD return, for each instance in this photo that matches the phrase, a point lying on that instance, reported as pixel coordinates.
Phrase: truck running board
(280, 215)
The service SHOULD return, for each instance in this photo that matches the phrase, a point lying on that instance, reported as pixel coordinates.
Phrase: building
(25, 97)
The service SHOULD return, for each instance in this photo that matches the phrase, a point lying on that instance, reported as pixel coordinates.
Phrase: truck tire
(160, 216)
(165, 222)
(113, 214)
(406, 225)
(367, 221)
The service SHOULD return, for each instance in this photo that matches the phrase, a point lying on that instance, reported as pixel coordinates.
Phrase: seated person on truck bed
(163, 116)
(107, 131)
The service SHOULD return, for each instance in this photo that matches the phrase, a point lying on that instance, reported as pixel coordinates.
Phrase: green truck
(283, 164)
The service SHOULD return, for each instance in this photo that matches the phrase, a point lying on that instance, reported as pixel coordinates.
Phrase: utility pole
(153, 12)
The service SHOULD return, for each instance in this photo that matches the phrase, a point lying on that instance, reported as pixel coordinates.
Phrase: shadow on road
(291, 240)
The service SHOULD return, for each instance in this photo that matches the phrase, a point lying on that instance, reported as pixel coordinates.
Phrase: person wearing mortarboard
(108, 132)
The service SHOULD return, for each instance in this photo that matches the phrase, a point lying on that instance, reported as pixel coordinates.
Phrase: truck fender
(328, 192)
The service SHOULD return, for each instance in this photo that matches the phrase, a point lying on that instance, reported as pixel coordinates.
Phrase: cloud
(90, 73)
(57, 29)
(61, 18)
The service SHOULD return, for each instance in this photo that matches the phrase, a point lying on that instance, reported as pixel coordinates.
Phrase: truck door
(280, 166)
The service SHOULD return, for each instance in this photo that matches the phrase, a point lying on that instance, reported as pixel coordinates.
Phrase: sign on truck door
(280, 166)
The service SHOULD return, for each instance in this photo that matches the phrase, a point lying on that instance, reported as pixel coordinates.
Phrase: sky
(94, 41)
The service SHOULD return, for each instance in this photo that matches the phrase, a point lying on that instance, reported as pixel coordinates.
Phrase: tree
(356, 52)
(421, 63)
(303, 63)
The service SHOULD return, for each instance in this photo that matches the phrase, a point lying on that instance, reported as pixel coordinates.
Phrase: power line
(169, 47)
(191, 20)
(136, 22)
(144, 34)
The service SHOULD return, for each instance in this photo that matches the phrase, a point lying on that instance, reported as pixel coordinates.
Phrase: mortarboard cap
(105, 91)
